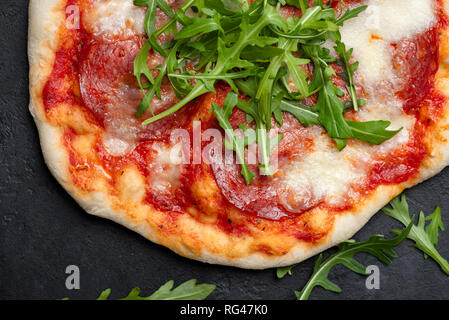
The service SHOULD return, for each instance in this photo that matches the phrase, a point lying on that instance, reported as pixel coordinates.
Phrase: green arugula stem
(375, 245)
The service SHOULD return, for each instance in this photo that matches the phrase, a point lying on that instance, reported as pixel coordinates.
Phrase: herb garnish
(251, 45)
(283, 271)
(425, 237)
(188, 290)
(375, 245)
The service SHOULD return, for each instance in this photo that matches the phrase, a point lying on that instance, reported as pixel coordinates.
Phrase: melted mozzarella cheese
(165, 169)
(384, 22)
(115, 18)
(390, 111)
(115, 146)
(324, 173)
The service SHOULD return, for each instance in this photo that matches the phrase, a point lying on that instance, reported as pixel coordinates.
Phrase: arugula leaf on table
(425, 238)
(188, 290)
(283, 271)
(376, 245)
(435, 225)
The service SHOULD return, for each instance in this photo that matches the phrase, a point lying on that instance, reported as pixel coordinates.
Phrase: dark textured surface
(42, 230)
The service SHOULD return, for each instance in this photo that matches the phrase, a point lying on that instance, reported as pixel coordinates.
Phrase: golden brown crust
(187, 234)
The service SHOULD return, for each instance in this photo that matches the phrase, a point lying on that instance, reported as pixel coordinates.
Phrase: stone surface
(42, 230)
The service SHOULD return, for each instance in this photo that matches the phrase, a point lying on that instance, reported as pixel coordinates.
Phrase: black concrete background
(42, 230)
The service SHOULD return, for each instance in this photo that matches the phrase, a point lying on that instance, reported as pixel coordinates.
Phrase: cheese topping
(112, 18)
(384, 22)
(165, 169)
(324, 174)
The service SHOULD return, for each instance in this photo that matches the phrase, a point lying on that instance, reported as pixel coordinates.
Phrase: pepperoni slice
(416, 62)
(265, 196)
(109, 89)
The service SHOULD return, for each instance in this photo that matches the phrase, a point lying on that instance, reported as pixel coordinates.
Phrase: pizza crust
(194, 239)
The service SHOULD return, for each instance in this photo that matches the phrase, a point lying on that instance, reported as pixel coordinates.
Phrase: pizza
(246, 133)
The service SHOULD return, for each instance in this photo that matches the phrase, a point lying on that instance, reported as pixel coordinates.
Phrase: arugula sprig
(283, 271)
(234, 142)
(141, 69)
(228, 57)
(251, 43)
(348, 74)
(425, 237)
(376, 245)
(188, 290)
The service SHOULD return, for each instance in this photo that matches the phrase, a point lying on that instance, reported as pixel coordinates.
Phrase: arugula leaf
(155, 89)
(188, 290)
(330, 107)
(435, 225)
(104, 295)
(264, 91)
(373, 132)
(226, 7)
(376, 245)
(200, 26)
(141, 66)
(425, 238)
(256, 53)
(234, 142)
(228, 58)
(330, 110)
(150, 20)
(299, 76)
(302, 112)
(350, 14)
(283, 271)
(141, 62)
(345, 55)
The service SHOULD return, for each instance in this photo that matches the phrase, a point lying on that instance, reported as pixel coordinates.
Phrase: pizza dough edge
(44, 19)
